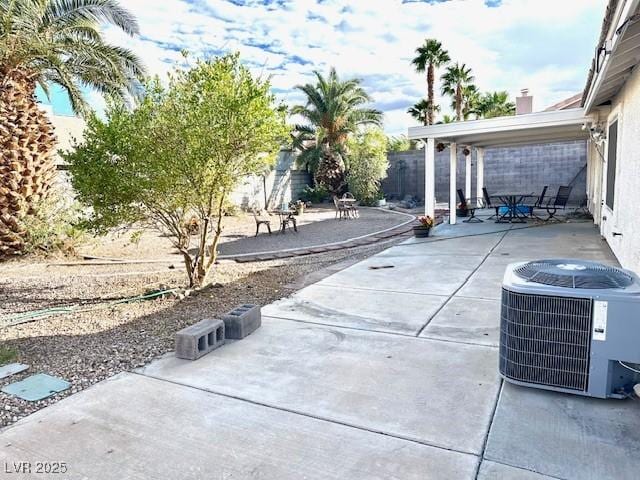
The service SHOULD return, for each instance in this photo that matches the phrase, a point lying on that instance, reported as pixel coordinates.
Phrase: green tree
(179, 155)
(333, 110)
(446, 119)
(399, 143)
(470, 101)
(454, 80)
(45, 42)
(495, 104)
(421, 111)
(428, 57)
(367, 164)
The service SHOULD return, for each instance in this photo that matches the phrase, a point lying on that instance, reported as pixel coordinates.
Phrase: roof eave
(448, 131)
(610, 38)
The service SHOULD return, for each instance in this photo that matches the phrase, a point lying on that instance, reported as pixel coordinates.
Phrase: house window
(611, 163)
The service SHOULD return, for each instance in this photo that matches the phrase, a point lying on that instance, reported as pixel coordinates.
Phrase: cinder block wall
(283, 184)
(518, 169)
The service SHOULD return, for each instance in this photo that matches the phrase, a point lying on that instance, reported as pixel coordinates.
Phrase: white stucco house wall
(612, 103)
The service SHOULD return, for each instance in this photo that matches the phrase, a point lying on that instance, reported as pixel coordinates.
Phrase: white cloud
(544, 45)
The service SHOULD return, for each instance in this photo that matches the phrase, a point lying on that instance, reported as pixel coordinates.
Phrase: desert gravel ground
(317, 226)
(85, 348)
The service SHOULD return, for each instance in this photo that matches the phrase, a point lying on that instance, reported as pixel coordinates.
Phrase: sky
(543, 45)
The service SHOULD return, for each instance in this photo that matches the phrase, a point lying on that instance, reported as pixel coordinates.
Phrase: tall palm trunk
(430, 82)
(459, 102)
(330, 171)
(27, 167)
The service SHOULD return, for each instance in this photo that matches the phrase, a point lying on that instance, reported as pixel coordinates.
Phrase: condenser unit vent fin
(574, 274)
(545, 339)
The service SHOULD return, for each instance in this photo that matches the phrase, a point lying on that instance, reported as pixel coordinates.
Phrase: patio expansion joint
(518, 467)
(381, 332)
(486, 436)
(308, 415)
(369, 289)
(482, 457)
(466, 280)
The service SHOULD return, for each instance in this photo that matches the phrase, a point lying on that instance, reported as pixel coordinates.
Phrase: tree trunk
(27, 167)
(458, 102)
(330, 171)
(430, 106)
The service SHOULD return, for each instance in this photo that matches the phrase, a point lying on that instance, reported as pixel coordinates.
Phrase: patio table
(512, 201)
(286, 216)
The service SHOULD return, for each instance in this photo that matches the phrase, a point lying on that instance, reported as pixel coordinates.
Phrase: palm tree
(334, 109)
(421, 110)
(446, 119)
(470, 101)
(454, 80)
(430, 56)
(44, 42)
(495, 104)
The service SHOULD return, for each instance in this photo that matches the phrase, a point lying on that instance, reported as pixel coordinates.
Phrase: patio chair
(351, 206)
(488, 204)
(539, 203)
(559, 202)
(261, 219)
(470, 205)
(341, 210)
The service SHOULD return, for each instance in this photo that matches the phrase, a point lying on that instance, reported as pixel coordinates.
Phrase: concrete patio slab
(486, 281)
(468, 320)
(575, 240)
(474, 246)
(318, 400)
(403, 313)
(438, 393)
(128, 434)
(433, 275)
(497, 471)
(566, 436)
(463, 229)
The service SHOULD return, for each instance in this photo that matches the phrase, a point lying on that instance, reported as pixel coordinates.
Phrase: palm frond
(61, 12)
(61, 41)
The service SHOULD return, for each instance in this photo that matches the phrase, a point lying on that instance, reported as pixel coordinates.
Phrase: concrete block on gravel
(199, 339)
(242, 320)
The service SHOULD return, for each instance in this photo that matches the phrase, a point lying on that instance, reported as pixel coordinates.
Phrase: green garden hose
(33, 315)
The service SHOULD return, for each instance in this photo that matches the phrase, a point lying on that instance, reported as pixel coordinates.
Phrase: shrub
(315, 194)
(7, 355)
(367, 164)
(55, 227)
(179, 155)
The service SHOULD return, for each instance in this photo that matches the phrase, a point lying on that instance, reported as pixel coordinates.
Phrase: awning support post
(467, 175)
(453, 171)
(430, 177)
(479, 172)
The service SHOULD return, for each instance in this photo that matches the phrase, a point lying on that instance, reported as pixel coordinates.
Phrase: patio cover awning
(541, 127)
(533, 128)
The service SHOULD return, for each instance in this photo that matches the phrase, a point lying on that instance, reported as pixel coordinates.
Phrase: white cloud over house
(544, 45)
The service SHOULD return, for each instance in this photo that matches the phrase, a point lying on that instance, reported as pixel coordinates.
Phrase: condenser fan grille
(574, 274)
